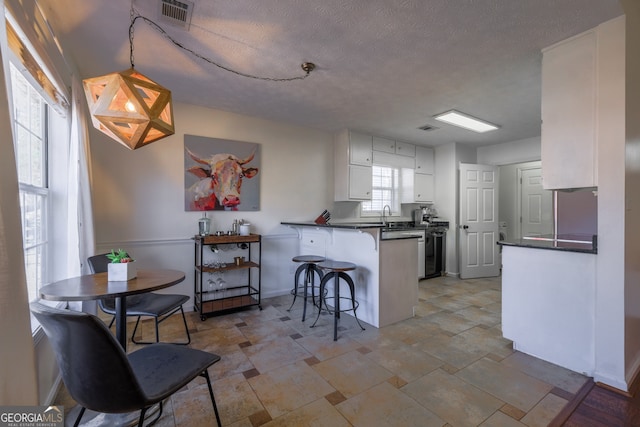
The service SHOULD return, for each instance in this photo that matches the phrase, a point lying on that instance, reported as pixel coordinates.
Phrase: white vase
(121, 271)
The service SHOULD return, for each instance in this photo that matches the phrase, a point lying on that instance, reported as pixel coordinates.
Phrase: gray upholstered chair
(100, 376)
(158, 306)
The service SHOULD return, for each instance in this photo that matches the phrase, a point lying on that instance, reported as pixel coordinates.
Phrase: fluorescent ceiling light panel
(459, 119)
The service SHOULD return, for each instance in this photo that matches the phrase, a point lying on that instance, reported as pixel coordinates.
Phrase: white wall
(139, 195)
(632, 184)
(611, 263)
(523, 150)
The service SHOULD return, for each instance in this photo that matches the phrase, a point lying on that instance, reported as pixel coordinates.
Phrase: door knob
(465, 227)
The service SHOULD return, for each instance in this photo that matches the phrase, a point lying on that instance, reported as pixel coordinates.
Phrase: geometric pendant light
(130, 108)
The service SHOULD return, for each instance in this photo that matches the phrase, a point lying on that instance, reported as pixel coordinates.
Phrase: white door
(478, 221)
(536, 207)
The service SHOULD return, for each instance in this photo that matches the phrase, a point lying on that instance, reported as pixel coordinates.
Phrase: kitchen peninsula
(386, 279)
(548, 298)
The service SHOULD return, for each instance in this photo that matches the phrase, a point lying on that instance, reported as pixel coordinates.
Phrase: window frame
(367, 207)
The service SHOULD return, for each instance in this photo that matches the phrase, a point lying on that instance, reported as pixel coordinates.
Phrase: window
(30, 126)
(386, 182)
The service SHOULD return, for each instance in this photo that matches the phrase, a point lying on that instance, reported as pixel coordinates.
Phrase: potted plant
(122, 267)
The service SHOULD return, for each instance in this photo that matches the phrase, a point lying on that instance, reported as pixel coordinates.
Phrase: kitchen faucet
(384, 219)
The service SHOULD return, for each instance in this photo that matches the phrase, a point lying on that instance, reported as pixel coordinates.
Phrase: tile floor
(447, 366)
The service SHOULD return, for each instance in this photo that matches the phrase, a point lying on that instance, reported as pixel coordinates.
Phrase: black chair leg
(205, 374)
(294, 292)
(157, 322)
(143, 411)
(77, 423)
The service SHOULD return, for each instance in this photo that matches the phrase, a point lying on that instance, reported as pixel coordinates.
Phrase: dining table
(97, 286)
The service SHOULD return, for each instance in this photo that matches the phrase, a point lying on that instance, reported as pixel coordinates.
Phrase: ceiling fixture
(465, 121)
(136, 111)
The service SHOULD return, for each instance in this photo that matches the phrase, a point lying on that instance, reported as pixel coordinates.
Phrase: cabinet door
(384, 144)
(360, 182)
(424, 160)
(405, 149)
(568, 113)
(423, 190)
(360, 147)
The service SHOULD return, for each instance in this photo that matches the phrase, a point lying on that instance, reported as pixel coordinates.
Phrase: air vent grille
(428, 128)
(176, 12)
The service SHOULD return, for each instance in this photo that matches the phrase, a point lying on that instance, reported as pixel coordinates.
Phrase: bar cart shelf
(233, 296)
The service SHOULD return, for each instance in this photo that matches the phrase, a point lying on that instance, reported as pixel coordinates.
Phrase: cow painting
(219, 182)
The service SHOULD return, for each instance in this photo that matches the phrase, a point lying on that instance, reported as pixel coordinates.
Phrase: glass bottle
(204, 225)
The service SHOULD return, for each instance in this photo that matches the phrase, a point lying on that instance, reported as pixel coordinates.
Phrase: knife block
(320, 220)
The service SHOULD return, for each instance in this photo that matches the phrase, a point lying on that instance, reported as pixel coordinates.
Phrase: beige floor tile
(266, 331)
(290, 387)
(235, 398)
(507, 384)
(479, 315)
(553, 374)
(232, 363)
(219, 340)
(323, 347)
(426, 308)
(352, 373)
(454, 352)
(452, 399)
(545, 411)
(449, 322)
(316, 414)
(483, 340)
(409, 363)
(500, 419)
(193, 407)
(383, 405)
(273, 354)
(449, 302)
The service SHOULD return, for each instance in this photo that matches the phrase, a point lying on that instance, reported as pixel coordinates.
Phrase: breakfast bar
(385, 278)
(548, 298)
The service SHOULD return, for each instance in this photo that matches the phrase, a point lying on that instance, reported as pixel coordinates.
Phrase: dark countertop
(567, 243)
(343, 225)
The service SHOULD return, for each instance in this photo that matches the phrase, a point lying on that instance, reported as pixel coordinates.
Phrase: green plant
(119, 257)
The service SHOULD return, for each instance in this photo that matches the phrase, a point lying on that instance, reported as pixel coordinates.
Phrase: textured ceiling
(383, 67)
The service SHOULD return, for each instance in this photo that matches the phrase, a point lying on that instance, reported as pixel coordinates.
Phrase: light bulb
(130, 107)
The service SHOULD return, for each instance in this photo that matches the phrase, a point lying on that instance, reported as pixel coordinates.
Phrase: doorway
(525, 208)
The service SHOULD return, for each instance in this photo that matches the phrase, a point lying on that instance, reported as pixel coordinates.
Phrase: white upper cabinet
(568, 113)
(352, 166)
(384, 144)
(405, 149)
(424, 160)
(359, 149)
(583, 82)
(394, 147)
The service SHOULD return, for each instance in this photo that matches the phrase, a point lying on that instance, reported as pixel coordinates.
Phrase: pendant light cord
(306, 66)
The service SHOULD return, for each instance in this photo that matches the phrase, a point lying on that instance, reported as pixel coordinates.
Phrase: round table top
(95, 286)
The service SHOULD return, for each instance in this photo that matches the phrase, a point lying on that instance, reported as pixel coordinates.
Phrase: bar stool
(310, 269)
(336, 270)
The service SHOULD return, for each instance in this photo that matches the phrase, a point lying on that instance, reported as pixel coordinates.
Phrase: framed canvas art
(221, 174)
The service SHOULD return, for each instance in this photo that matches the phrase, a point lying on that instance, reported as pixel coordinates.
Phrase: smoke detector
(176, 12)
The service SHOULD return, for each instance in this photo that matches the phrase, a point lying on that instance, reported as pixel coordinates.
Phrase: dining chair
(101, 377)
(158, 306)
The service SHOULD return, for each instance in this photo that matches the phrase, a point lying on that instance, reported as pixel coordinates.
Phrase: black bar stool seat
(336, 270)
(310, 269)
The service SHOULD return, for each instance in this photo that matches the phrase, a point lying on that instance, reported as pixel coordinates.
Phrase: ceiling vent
(428, 128)
(176, 12)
